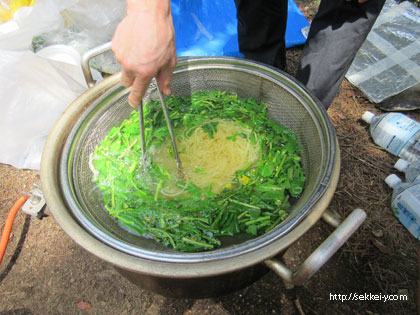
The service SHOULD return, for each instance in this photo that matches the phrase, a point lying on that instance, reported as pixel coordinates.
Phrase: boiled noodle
(210, 160)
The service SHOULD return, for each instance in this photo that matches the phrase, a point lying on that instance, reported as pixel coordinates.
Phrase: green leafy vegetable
(254, 202)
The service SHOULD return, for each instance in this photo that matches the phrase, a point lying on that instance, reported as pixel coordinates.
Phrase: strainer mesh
(285, 105)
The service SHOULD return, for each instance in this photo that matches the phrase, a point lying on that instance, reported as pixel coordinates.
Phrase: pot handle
(323, 253)
(87, 56)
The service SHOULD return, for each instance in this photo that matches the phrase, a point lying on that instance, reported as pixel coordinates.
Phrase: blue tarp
(209, 27)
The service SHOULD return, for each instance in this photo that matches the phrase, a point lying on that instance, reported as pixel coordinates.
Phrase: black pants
(337, 32)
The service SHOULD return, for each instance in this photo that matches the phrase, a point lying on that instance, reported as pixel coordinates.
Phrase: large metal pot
(78, 209)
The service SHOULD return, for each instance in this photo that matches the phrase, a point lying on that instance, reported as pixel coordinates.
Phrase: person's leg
(261, 30)
(337, 32)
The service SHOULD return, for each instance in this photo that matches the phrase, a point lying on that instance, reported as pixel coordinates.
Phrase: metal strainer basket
(288, 103)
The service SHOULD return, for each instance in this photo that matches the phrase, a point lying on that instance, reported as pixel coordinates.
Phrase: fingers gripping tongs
(168, 122)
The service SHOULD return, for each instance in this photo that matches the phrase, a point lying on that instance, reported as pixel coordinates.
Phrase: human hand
(144, 45)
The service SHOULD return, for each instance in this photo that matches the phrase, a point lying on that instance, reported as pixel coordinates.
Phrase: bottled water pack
(396, 133)
(406, 203)
(410, 170)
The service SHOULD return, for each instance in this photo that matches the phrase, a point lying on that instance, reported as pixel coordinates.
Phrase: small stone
(83, 305)
(403, 292)
(378, 233)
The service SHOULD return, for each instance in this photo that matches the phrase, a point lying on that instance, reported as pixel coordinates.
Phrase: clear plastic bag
(87, 24)
(17, 33)
(388, 63)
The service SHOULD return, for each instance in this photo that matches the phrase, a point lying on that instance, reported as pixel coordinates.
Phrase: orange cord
(9, 223)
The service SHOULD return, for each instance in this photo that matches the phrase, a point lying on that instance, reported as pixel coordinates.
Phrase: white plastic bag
(36, 88)
(35, 91)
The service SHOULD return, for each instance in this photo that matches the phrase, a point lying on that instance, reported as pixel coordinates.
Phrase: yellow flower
(244, 180)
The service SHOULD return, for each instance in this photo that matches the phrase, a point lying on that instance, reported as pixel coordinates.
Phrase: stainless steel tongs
(168, 123)
(89, 79)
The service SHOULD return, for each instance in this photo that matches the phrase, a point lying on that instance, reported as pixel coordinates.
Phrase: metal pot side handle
(87, 56)
(322, 254)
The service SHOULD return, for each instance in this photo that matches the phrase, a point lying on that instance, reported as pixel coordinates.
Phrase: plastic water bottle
(396, 133)
(410, 170)
(406, 203)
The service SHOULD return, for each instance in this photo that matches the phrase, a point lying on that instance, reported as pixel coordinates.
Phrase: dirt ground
(45, 272)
